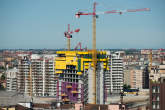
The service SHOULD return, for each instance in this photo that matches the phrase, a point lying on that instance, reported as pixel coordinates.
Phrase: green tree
(3, 77)
(125, 86)
(128, 86)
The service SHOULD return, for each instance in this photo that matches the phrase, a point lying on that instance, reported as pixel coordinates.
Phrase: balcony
(68, 86)
(63, 94)
(65, 100)
(74, 92)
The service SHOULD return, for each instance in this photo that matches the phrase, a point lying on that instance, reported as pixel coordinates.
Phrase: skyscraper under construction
(75, 84)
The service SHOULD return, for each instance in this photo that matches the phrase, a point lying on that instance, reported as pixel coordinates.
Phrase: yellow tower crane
(94, 51)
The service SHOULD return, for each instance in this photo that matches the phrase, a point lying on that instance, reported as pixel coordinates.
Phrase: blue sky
(40, 24)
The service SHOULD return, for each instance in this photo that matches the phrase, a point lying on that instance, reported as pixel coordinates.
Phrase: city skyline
(40, 24)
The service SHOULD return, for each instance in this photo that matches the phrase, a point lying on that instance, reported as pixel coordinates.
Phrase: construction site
(75, 72)
(68, 75)
(84, 76)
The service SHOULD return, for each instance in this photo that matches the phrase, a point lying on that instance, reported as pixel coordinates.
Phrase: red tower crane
(94, 52)
(78, 45)
(68, 35)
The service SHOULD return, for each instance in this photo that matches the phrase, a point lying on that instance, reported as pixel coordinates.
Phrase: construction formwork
(77, 67)
(70, 92)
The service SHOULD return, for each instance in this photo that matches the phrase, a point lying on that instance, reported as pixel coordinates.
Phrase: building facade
(145, 79)
(11, 79)
(134, 77)
(137, 77)
(157, 88)
(76, 77)
(36, 75)
(157, 96)
(116, 73)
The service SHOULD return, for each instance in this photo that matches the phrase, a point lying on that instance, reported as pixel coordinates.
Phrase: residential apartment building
(145, 79)
(36, 76)
(133, 76)
(116, 73)
(157, 88)
(11, 79)
(137, 77)
(157, 97)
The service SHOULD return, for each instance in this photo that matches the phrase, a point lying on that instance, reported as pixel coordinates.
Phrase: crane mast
(68, 44)
(94, 51)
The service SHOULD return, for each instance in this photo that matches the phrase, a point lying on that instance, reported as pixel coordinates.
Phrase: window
(158, 107)
(153, 97)
(158, 89)
(153, 89)
(153, 105)
(163, 80)
(157, 98)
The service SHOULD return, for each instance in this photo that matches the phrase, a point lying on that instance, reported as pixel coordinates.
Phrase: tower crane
(94, 14)
(68, 35)
(78, 45)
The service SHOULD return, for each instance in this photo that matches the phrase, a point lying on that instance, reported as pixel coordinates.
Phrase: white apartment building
(114, 76)
(11, 79)
(36, 75)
